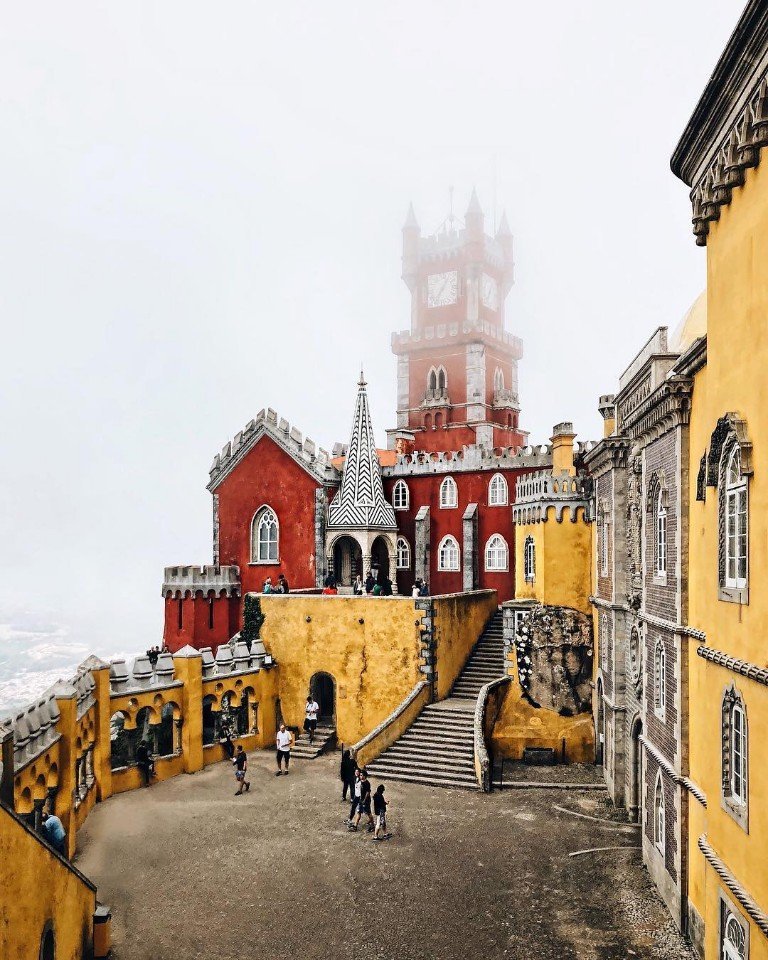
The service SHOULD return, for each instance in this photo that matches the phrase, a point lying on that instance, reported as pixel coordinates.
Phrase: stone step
(427, 763)
(438, 770)
(424, 750)
(459, 782)
(433, 722)
(434, 742)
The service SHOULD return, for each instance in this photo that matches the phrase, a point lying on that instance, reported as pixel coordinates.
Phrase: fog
(202, 207)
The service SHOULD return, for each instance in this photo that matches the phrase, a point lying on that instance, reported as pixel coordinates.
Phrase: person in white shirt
(310, 722)
(284, 742)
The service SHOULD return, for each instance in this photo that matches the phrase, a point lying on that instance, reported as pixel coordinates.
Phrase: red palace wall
(192, 623)
(269, 476)
(472, 488)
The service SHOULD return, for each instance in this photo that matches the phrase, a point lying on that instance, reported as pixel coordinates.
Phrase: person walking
(284, 742)
(310, 720)
(364, 805)
(380, 813)
(54, 833)
(347, 773)
(355, 794)
(240, 760)
(145, 762)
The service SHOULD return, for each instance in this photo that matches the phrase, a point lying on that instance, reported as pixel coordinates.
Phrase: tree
(253, 619)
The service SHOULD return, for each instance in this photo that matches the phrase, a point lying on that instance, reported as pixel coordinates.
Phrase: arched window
(449, 493)
(264, 536)
(735, 759)
(442, 379)
(496, 553)
(659, 676)
(733, 936)
(735, 523)
(529, 559)
(604, 532)
(659, 822)
(403, 556)
(427, 421)
(448, 554)
(401, 497)
(498, 379)
(498, 492)
(432, 379)
(661, 535)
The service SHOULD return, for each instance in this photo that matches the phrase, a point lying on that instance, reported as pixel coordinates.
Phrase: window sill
(738, 595)
(660, 579)
(447, 506)
(497, 569)
(401, 509)
(264, 563)
(498, 504)
(739, 812)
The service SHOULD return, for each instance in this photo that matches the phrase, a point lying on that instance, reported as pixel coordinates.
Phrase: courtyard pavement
(191, 871)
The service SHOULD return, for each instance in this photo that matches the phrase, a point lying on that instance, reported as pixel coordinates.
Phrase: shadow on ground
(191, 871)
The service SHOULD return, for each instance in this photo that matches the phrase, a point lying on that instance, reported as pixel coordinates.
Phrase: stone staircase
(325, 736)
(438, 748)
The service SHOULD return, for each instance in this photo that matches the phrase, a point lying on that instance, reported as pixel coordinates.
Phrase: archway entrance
(636, 774)
(347, 561)
(322, 687)
(600, 738)
(380, 559)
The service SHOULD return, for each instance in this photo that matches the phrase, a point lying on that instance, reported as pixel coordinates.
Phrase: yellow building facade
(718, 157)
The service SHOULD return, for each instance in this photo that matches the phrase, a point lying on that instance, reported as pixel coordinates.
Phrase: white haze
(202, 207)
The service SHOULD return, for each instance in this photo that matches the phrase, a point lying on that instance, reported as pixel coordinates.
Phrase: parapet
(408, 339)
(303, 450)
(35, 729)
(142, 676)
(471, 458)
(535, 493)
(178, 581)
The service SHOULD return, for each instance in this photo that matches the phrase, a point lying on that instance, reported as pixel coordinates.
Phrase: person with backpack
(380, 812)
(145, 762)
(364, 803)
(240, 760)
(347, 773)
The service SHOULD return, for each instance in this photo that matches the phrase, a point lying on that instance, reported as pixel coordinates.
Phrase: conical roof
(360, 499)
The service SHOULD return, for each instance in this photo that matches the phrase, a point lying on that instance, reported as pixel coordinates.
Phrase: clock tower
(457, 365)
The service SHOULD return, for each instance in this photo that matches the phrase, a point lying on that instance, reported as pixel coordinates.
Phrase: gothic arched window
(403, 555)
(604, 641)
(735, 760)
(498, 379)
(496, 554)
(498, 491)
(732, 934)
(448, 555)
(661, 535)
(529, 559)
(432, 379)
(442, 379)
(659, 677)
(449, 493)
(401, 498)
(659, 821)
(264, 536)
(735, 523)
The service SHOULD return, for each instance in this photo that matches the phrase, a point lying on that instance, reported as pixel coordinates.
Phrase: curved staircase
(438, 748)
(325, 737)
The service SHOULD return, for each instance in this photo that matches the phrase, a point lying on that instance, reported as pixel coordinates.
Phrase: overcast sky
(202, 207)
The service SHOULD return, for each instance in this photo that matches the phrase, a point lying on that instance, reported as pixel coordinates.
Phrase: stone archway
(636, 773)
(322, 688)
(380, 560)
(347, 560)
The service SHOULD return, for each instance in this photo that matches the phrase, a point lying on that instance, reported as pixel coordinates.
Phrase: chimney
(562, 448)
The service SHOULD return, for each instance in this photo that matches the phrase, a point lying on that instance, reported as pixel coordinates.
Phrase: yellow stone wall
(37, 889)
(459, 620)
(734, 381)
(563, 561)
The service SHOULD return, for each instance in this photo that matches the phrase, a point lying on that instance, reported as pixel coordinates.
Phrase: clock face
(442, 288)
(490, 292)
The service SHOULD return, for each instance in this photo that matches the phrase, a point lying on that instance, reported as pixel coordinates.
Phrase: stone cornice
(741, 894)
(729, 126)
(667, 407)
(694, 358)
(742, 667)
(610, 452)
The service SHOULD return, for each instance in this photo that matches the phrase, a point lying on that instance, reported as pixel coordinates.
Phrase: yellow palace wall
(734, 380)
(563, 561)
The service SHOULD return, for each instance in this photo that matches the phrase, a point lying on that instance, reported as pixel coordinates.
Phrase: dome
(692, 326)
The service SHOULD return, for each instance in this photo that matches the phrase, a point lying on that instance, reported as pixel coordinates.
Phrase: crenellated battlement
(177, 581)
(409, 339)
(305, 451)
(422, 462)
(535, 493)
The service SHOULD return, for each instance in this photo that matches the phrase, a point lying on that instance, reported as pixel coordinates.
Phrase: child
(380, 809)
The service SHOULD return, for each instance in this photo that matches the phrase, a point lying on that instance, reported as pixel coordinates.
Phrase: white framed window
(659, 821)
(738, 754)
(448, 556)
(604, 641)
(735, 740)
(449, 493)
(498, 491)
(735, 523)
(659, 677)
(734, 933)
(403, 555)
(401, 496)
(529, 560)
(604, 532)
(265, 536)
(661, 535)
(496, 553)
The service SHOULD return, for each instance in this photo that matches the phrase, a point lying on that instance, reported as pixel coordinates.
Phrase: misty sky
(202, 207)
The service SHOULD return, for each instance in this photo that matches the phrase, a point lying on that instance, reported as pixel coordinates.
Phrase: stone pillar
(215, 529)
(66, 701)
(469, 561)
(188, 667)
(421, 546)
(321, 568)
(475, 382)
(101, 756)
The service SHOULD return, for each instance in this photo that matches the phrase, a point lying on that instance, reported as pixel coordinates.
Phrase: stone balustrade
(535, 493)
(178, 581)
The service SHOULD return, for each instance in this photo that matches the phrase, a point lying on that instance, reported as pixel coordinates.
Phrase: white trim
(402, 502)
(256, 540)
(449, 544)
(449, 494)
(406, 552)
(498, 491)
(659, 811)
(500, 548)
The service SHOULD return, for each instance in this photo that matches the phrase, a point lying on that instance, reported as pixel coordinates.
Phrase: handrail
(482, 757)
(397, 713)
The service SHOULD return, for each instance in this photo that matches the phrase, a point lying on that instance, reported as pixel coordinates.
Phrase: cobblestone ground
(191, 871)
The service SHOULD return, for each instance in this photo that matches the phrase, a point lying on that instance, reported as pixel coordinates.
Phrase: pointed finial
(504, 230)
(474, 203)
(361, 381)
(411, 223)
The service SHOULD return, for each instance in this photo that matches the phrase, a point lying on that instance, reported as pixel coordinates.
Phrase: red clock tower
(457, 365)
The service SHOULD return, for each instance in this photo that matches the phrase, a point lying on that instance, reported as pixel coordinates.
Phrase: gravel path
(192, 871)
